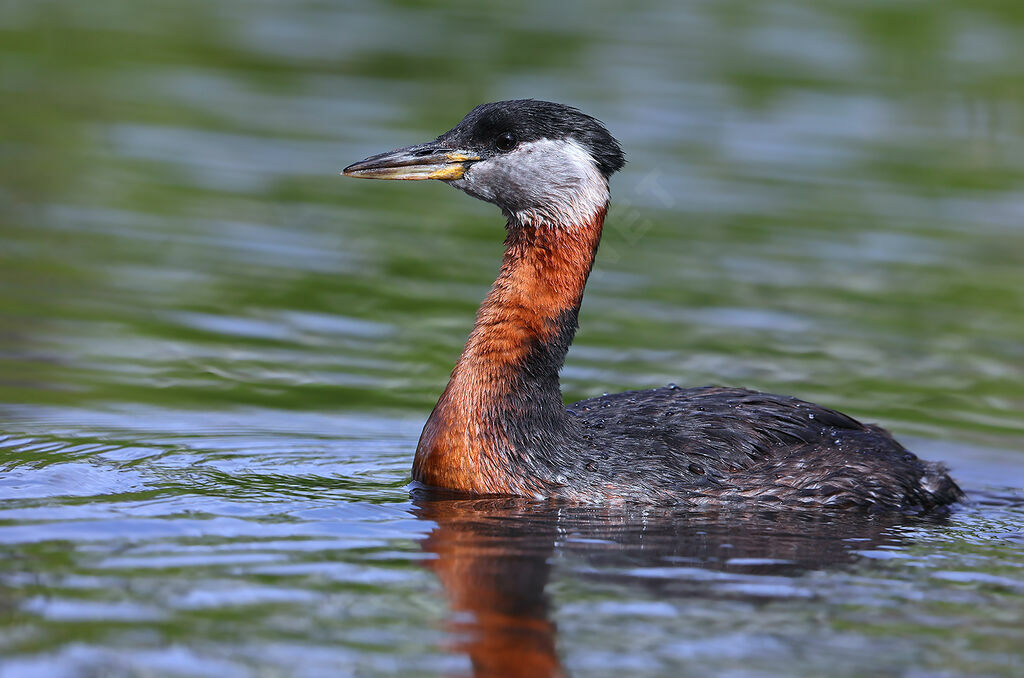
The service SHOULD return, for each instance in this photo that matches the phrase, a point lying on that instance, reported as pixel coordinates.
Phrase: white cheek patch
(541, 183)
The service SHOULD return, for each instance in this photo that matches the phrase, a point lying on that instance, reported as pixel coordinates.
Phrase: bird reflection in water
(495, 555)
(494, 562)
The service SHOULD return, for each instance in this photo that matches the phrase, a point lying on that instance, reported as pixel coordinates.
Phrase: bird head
(540, 162)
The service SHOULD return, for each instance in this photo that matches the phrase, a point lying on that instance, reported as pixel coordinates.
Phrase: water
(215, 354)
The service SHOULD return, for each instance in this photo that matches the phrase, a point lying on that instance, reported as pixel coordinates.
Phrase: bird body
(500, 426)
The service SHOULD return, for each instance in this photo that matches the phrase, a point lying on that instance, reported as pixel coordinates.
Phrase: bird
(500, 427)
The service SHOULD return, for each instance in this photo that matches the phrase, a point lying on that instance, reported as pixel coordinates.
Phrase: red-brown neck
(504, 388)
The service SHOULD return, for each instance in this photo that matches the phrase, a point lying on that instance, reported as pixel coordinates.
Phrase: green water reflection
(822, 199)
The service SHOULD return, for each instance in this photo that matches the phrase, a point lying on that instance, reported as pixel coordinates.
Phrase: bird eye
(505, 142)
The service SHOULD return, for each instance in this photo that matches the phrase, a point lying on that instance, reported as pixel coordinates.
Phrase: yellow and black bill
(431, 160)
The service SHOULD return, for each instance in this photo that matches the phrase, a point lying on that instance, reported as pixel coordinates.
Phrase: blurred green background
(822, 197)
(209, 339)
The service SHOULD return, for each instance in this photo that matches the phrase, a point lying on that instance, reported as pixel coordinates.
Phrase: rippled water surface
(216, 354)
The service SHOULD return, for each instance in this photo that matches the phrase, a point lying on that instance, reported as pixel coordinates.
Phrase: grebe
(500, 426)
